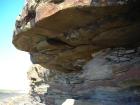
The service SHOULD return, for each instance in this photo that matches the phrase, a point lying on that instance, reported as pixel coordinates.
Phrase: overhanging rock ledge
(85, 50)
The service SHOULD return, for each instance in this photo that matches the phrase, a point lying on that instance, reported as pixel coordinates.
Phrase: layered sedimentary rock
(84, 52)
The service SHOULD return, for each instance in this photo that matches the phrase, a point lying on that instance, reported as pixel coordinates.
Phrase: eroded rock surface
(84, 52)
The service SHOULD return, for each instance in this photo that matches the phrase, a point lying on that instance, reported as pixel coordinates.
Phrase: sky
(14, 63)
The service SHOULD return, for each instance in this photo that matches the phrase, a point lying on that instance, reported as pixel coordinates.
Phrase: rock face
(84, 52)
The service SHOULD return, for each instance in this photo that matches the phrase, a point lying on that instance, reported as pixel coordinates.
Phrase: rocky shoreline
(21, 100)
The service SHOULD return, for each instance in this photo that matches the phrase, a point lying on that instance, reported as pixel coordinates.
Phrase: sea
(5, 95)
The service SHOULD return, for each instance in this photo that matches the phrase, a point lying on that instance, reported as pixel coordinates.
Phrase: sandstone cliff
(86, 52)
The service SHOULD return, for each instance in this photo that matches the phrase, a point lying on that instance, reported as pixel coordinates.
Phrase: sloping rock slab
(63, 21)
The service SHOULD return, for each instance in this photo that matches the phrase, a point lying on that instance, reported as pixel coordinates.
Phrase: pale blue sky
(13, 63)
(9, 9)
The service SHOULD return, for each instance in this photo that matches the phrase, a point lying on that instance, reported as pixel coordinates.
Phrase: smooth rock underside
(84, 52)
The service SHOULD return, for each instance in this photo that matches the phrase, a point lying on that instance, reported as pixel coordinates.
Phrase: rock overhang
(65, 38)
(52, 20)
(89, 53)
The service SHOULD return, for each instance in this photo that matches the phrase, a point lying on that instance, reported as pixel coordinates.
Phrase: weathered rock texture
(87, 51)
